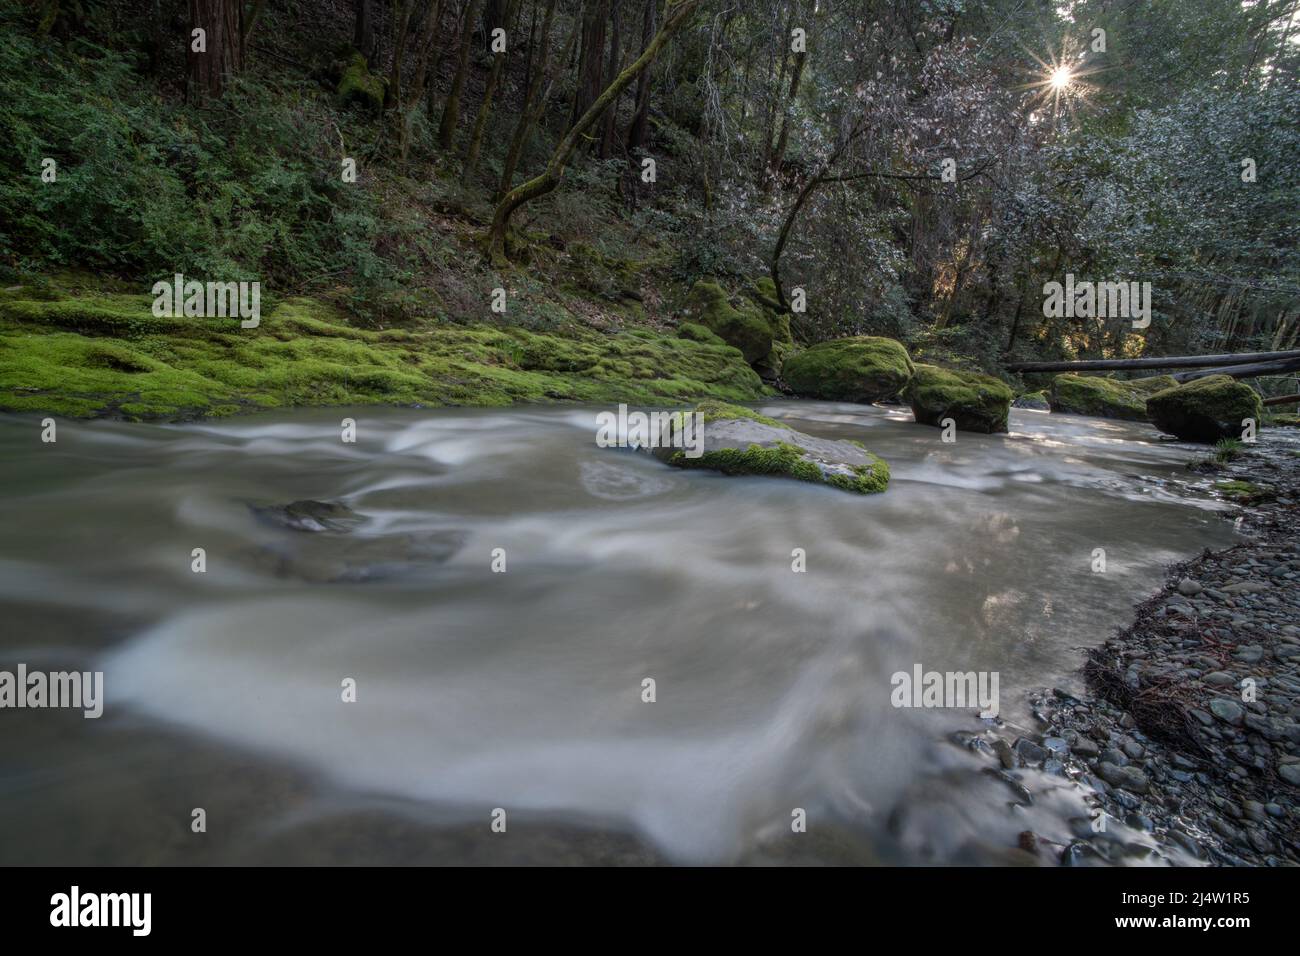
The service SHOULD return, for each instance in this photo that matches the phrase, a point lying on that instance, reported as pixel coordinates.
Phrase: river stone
(1127, 778)
(309, 515)
(1085, 747)
(1189, 588)
(738, 441)
(1028, 751)
(1230, 712)
(1290, 772)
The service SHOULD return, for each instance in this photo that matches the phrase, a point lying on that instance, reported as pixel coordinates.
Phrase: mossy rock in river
(862, 368)
(762, 334)
(1105, 397)
(975, 402)
(739, 441)
(1206, 410)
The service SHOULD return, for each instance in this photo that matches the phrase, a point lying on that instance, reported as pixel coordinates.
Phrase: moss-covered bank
(106, 354)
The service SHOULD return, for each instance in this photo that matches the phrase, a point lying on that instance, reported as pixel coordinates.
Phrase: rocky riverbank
(1191, 729)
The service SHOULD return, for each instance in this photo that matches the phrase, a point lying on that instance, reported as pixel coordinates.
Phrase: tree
(494, 78)
(535, 99)
(451, 111)
(363, 31)
(677, 14)
(641, 116)
(221, 42)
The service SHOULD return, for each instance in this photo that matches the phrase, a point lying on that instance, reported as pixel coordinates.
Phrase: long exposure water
(521, 690)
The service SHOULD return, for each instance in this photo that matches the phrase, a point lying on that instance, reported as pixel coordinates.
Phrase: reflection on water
(523, 689)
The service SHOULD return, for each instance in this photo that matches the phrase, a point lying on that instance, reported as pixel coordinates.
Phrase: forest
(637, 432)
(613, 165)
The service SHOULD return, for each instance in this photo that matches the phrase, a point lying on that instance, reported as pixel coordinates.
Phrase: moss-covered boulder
(745, 327)
(863, 368)
(1206, 409)
(743, 321)
(739, 441)
(975, 402)
(358, 86)
(762, 292)
(1105, 397)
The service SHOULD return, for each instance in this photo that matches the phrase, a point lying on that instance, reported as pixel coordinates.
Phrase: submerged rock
(862, 368)
(352, 559)
(1105, 397)
(1206, 409)
(739, 441)
(309, 515)
(975, 402)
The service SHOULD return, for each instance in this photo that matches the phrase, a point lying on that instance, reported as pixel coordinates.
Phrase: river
(480, 690)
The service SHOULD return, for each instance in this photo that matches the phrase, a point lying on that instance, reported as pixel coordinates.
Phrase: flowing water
(479, 690)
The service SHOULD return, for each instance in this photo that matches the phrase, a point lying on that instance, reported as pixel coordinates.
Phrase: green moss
(1206, 409)
(698, 333)
(859, 369)
(1244, 492)
(743, 326)
(361, 87)
(788, 461)
(606, 276)
(1105, 397)
(106, 355)
(974, 402)
(763, 291)
(714, 410)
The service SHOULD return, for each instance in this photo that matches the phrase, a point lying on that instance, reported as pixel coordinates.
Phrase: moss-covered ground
(103, 353)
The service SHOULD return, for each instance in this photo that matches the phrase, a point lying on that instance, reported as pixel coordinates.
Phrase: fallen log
(1249, 370)
(1283, 400)
(1169, 361)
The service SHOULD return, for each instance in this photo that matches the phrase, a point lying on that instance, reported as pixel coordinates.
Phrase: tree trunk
(534, 104)
(485, 108)
(778, 154)
(451, 111)
(1251, 370)
(591, 64)
(615, 55)
(424, 50)
(393, 95)
(1169, 361)
(222, 57)
(677, 14)
(363, 30)
(636, 129)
